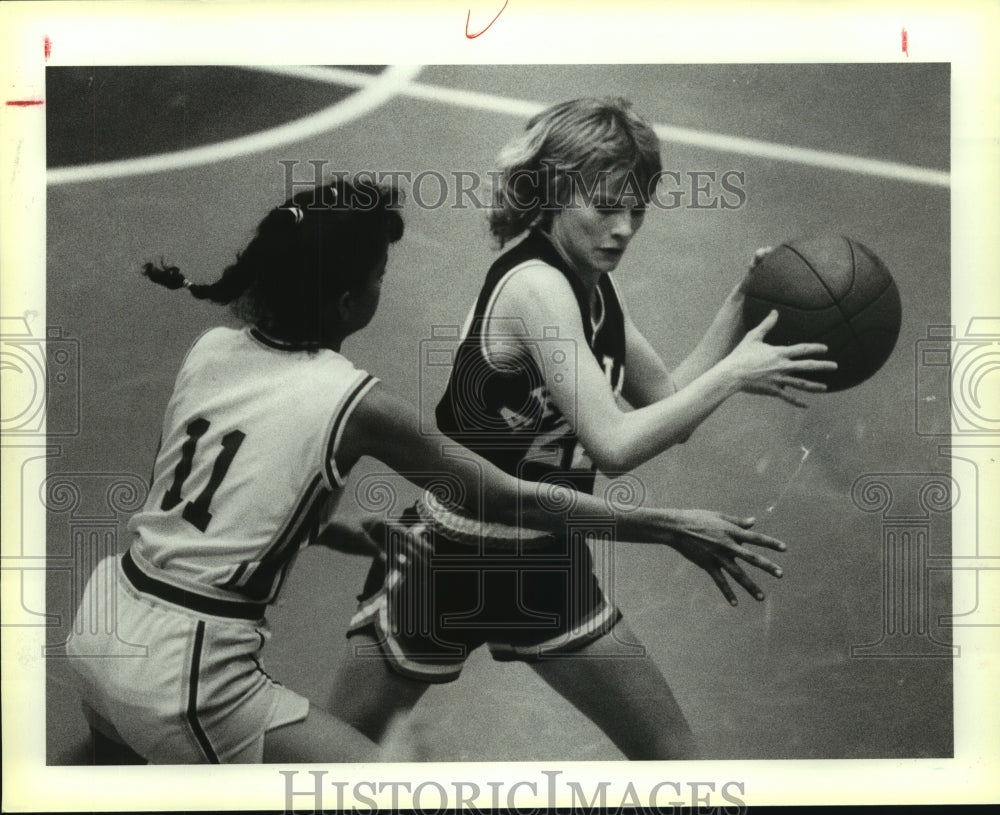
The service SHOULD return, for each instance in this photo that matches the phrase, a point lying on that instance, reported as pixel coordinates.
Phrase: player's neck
(589, 280)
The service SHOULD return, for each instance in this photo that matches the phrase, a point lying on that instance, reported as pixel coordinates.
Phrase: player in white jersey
(245, 404)
(263, 426)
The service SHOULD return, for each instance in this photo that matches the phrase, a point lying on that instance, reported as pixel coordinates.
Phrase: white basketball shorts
(199, 693)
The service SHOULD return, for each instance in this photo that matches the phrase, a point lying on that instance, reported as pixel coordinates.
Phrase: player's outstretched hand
(777, 370)
(715, 542)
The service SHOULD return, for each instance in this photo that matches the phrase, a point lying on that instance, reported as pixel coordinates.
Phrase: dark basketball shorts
(526, 598)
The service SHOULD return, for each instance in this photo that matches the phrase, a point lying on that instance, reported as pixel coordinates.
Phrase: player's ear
(344, 306)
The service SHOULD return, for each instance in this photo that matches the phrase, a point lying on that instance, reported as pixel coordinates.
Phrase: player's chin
(607, 260)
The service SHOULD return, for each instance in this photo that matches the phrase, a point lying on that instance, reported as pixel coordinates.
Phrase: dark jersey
(497, 404)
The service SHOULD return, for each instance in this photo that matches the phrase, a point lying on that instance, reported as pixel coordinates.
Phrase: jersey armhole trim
(334, 478)
(491, 302)
(618, 296)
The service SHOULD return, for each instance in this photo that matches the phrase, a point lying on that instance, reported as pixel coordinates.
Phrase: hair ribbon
(297, 213)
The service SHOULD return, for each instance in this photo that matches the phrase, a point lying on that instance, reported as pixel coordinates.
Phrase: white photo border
(303, 33)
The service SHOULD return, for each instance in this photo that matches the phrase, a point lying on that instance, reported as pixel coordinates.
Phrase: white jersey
(246, 468)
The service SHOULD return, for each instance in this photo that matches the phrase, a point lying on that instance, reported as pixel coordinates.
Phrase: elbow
(609, 452)
(616, 449)
(616, 459)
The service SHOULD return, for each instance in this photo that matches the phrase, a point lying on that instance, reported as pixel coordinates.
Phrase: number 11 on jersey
(196, 512)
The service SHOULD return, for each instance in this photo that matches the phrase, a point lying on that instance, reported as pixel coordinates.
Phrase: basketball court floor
(838, 662)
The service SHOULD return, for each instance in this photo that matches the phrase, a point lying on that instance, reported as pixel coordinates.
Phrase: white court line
(375, 90)
(805, 155)
(706, 139)
(679, 135)
(517, 107)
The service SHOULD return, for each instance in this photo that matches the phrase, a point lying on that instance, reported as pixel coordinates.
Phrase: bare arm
(645, 383)
(617, 440)
(386, 427)
(723, 335)
(647, 378)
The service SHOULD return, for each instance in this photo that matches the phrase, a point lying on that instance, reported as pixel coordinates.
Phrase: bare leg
(318, 738)
(626, 696)
(368, 695)
(366, 701)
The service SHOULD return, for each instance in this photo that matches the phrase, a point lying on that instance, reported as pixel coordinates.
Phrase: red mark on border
(48, 49)
(905, 42)
(469, 16)
(24, 103)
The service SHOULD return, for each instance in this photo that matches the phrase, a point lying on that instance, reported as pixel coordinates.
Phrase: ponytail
(167, 276)
(319, 243)
(225, 290)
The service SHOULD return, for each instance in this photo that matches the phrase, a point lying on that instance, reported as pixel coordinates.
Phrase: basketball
(829, 289)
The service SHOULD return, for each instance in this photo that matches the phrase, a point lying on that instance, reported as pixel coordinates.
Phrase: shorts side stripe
(406, 666)
(375, 613)
(192, 709)
(587, 631)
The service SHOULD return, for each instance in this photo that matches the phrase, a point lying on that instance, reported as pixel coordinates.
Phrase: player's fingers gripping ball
(832, 290)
